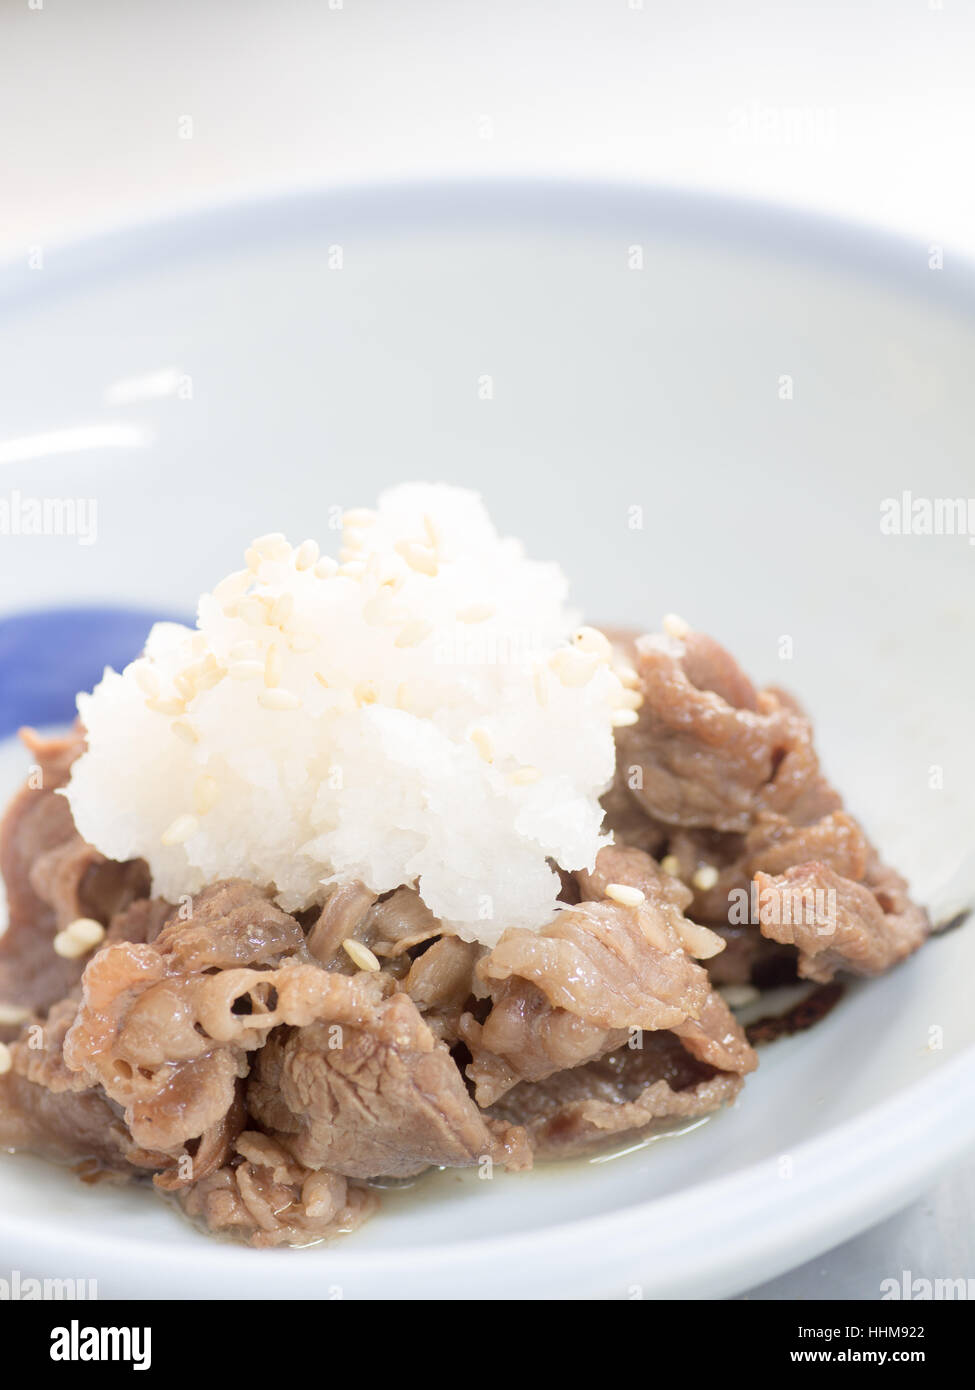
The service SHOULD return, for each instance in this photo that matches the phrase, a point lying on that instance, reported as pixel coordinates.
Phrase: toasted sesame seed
(403, 694)
(181, 829)
(252, 559)
(234, 587)
(739, 996)
(671, 865)
(146, 679)
(325, 568)
(631, 699)
(359, 516)
(6, 1059)
(481, 740)
(476, 613)
(184, 730)
(321, 679)
(700, 942)
(413, 633)
(360, 955)
(574, 668)
(206, 794)
(167, 706)
(306, 556)
(419, 557)
(705, 877)
(591, 640)
(675, 626)
(253, 610)
(279, 699)
(209, 679)
(79, 937)
(524, 776)
(12, 1014)
(627, 675)
(244, 651)
(184, 685)
(245, 670)
(281, 609)
(365, 693)
(272, 666)
(625, 895)
(273, 546)
(622, 718)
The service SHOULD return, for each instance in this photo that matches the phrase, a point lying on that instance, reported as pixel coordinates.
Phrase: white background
(114, 110)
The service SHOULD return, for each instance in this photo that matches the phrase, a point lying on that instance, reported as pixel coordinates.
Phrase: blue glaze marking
(46, 657)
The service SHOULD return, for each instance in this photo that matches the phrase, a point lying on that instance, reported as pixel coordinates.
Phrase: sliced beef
(624, 1095)
(51, 878)
(439, 982)
(384, 1099)
(837, 923)
(166, 1028)
(708, 750)
(265, 1197)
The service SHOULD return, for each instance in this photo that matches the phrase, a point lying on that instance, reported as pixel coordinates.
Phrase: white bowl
(272, 383)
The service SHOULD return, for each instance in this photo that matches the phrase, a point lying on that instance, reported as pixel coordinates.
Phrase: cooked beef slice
(593, 978)
(166, 1028)
(710, 751)
(837, 923)
(265, 1197)
(728, 780)
(51, 878)
(384, 1099)
(626, 1094)
(439, 983)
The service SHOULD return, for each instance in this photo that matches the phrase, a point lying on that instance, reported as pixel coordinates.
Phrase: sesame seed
(359, 516)
(365, 693)
(631, 699)
(306, 556)
(184, 730)
(146, 679)
(524, 776)
(245, 670)
(476, 613)
(591, 640)
(6, 1059)
(168, 706)
(481, 740)
(273, 546)
(412, 634)
(739, 996)
(325, 568)
(253, 610)
(181, 829)
(12, 1014)
(184, 685)
(574, 668)
(403, 696)
(622, 718)
(281, 609)
(700, 942)
(209, 679)
(671, 865)
(419, 557)
(232, 588)
(625, 895)
(705, 877)
(360, 955)
(272, 666)
(675, 626)
(279, 699)
(252, 559)
(79, 937)
(321, 679)
(206, 794)
(627, 675)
